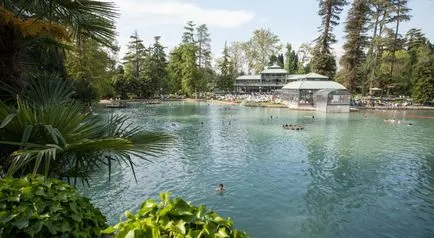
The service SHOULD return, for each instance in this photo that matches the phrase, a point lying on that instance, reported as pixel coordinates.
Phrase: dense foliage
(49, 133)
(41, 207)
(40, 36)
(173, 218)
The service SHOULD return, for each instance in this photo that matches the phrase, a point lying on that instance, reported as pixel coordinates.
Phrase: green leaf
(181, 227)
(222, 233)
(21, 222)
(110, 230)
(5, 217)
(165, 210)
(7, 120)
(128, 215)
(34, 229)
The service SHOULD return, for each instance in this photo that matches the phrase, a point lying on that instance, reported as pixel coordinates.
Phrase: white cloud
(175, 12)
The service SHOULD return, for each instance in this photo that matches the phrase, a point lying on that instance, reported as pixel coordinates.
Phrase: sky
(293, 21)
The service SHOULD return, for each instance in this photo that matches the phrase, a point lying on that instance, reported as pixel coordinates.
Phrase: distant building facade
(271, 78)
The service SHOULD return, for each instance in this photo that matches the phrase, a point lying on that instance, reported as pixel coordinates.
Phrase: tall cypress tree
(323, 62)
(356, 41)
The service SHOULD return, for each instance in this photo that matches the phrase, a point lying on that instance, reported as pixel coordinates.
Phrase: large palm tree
(48, 133)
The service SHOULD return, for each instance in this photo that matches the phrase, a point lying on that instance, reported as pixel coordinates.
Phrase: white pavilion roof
(314, 84)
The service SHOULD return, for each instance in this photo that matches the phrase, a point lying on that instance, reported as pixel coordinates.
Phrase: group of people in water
(296, 127)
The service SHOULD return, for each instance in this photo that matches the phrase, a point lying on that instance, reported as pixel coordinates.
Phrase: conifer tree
(203, 42)
(323, 62)
(356, 41)
(227, 71)
(400, 13)
(134, 65)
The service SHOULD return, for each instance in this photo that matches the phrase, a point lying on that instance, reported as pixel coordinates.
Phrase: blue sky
(294, 21)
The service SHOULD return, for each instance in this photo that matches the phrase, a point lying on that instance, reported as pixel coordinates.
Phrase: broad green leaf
(110, 230)
(6, 217)
(21, 221)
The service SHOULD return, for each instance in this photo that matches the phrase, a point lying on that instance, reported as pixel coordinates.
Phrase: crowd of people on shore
(382, 102)
(254, 97)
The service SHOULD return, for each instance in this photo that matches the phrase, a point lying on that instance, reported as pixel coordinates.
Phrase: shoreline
(409, 108)
(265, 105)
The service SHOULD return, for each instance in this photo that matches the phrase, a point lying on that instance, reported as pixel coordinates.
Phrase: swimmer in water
(220, 188)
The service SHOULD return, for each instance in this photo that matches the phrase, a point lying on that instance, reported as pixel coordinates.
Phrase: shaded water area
(342, 176)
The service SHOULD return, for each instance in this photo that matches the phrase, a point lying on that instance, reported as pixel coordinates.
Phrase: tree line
(376, 54)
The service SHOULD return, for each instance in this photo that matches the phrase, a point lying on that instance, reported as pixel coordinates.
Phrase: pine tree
(188, 35)
(400, 13)
(174, 69)
(156, 70)
(323, 61)
(280, 61)
(203, 42)
(356, 41)
(378, 15)
(227, 71)
(291, 64)
(272, 60)
(134, 65)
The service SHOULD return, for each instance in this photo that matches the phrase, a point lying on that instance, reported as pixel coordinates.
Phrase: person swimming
(220, 188)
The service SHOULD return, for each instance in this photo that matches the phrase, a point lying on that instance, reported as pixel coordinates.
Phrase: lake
(342, 176)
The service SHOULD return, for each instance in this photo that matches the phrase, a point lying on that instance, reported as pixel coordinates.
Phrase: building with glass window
(271, 78)
(315, 92)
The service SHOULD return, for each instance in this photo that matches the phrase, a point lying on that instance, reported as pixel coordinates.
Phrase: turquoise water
(342, 176)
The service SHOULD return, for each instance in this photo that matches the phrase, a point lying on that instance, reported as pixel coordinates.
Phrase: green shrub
(173, 218)
(40, 207)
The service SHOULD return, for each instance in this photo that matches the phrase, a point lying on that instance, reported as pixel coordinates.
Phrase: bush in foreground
(173, 218)
(41, 207)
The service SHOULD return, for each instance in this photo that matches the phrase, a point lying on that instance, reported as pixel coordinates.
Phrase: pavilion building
(271, 78)
(316, 92)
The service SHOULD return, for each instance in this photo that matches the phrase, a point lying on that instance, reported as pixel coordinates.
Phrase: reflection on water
(343, 176)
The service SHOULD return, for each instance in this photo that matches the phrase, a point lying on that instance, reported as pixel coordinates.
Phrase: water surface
(342, 176)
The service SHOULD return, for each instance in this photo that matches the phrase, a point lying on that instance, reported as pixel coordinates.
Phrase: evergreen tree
(423, 90)
(156, 70)
(188, 35)
(203, 42)
(292, 63)
(280, 61)
(378, 18)
(134, 65)
(323, 61)
(272, 60)
(120, 84)
(356, 41)
(175, 71)
(227, 72)
(400, 13)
